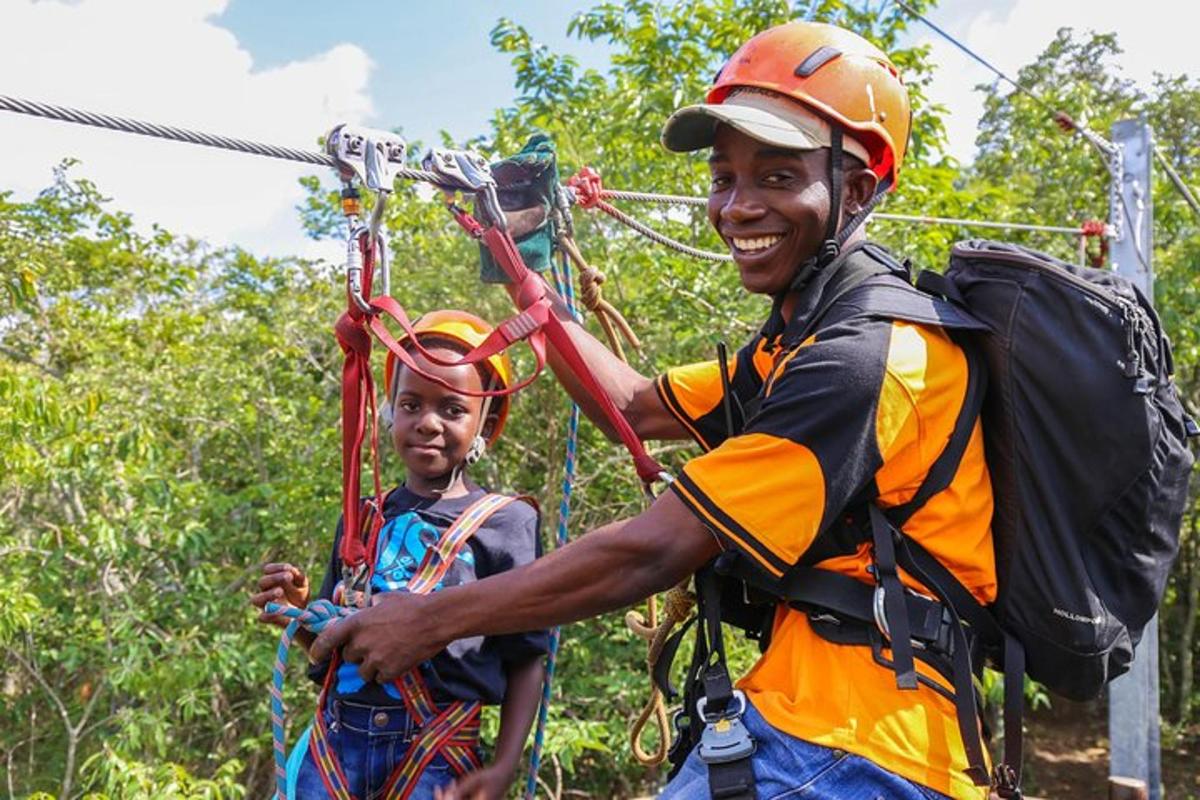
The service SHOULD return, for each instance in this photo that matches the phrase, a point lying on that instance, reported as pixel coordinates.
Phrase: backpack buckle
(724, 738)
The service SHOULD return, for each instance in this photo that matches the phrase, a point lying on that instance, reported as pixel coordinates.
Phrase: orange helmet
(469, 331)
(834, 72)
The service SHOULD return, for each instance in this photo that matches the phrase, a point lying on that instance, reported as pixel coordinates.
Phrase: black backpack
(1086, 443)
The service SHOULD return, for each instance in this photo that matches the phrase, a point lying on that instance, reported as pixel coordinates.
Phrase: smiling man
(838, 413)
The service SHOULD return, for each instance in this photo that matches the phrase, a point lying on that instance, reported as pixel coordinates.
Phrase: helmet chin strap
(831, 246)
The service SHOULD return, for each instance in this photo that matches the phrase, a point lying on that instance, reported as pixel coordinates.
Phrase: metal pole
(1133, 715)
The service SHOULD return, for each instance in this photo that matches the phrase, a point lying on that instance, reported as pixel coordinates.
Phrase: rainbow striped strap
(438, 559)
(324, 756)
(453, 733)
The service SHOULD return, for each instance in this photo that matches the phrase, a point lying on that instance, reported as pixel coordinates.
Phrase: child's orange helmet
(469, 331)
(836, 73)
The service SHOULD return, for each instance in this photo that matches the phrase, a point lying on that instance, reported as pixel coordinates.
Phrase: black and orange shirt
(865, 400)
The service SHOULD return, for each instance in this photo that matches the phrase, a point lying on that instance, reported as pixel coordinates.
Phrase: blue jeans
(787, 767)
(369, 742)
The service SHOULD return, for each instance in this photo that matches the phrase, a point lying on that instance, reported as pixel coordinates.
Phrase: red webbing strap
(358, 410)
(526, 325)
(532, 290)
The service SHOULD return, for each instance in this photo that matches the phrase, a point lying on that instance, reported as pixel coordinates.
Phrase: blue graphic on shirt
(403, 543)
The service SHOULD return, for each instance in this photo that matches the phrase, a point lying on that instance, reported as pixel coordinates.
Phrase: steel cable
(126, 125)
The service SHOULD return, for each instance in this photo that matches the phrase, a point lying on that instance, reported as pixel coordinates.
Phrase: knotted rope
(610, 319)
(677, 606)
(315, 618)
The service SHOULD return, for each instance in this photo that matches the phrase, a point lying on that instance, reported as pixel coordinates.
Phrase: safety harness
(949, 630)
(451, 730)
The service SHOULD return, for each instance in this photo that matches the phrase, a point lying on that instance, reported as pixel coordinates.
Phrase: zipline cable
(979, 223)
(172, 133)
(923, 219)
(127, 125)
(1180, 186)
(975, 56)
(1097, 141)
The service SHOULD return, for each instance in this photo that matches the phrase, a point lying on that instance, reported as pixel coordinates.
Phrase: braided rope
(315, 618)
(126, 125)
(651, 197)
(677, 605)
(567, 291)
(611, 320)
(655, 236)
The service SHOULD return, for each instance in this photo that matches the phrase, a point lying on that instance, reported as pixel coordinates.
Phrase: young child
(393, 739)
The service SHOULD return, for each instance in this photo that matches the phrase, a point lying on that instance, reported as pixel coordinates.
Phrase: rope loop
(677, 605)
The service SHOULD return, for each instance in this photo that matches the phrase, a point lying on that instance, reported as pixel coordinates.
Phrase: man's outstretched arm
(610, 568)
(633, 393)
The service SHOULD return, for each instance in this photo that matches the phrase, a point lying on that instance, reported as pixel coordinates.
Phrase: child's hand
(284, 584)
(489, 783)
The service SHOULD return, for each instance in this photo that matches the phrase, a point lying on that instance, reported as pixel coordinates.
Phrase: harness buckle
(724, 738)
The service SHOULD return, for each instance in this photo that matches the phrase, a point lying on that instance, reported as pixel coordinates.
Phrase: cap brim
(695, 127)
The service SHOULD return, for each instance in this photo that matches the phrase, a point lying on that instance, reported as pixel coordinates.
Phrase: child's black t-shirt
(468, 669)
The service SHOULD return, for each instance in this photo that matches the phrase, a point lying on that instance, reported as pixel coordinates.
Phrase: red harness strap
(535, 324)
(532, 292)
(359, 530)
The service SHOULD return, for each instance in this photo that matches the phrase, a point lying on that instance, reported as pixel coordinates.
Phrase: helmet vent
(817, 59)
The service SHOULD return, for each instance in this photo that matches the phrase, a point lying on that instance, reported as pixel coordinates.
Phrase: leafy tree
(171, 410)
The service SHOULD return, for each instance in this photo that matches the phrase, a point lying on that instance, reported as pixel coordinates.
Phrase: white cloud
(1151, 32)
(169, 62)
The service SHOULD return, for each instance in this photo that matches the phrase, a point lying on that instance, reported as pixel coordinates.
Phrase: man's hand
(489, 783)
(386, 640)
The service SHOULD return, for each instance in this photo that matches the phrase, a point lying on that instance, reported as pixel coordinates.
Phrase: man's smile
(754, 245)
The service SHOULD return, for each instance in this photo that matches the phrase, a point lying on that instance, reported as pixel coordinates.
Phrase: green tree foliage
(170, 411)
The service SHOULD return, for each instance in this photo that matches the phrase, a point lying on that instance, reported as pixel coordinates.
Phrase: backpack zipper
(1134, 321)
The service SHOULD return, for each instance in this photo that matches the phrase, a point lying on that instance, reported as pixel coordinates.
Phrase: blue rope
(315, 618)
(567, 290)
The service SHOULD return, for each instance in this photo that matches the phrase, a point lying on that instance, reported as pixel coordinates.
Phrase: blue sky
(285, 72)
(435, 68)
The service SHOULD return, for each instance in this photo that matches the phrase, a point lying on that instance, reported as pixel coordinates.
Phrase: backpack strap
(889, 296)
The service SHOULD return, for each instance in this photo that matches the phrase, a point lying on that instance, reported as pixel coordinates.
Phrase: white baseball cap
(760, 114)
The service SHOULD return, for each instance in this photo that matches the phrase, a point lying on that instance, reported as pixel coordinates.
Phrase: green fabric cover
(526, 183)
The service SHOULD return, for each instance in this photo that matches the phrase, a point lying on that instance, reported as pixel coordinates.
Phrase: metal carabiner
(354, 265)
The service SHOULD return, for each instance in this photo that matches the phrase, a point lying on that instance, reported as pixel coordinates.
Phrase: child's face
(432, 426)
